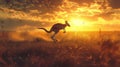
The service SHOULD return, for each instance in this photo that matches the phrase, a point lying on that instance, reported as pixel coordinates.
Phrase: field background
(74, 49)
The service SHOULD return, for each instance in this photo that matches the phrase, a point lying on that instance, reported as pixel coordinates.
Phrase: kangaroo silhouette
(56, 28)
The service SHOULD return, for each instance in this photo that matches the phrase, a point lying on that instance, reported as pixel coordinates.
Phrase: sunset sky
(83, 15)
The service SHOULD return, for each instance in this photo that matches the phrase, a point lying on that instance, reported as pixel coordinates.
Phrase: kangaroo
(56, 28)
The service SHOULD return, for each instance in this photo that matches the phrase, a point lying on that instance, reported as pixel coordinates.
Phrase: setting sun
(76, 22)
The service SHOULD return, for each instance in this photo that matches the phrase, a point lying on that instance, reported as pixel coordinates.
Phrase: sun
(76, 22)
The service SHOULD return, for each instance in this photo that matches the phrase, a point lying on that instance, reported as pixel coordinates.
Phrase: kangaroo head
(66, 22)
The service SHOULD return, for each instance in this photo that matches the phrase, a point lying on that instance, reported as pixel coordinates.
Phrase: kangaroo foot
(55, 40)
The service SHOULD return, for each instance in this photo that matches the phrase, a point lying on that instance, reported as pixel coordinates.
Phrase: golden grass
(79, 51)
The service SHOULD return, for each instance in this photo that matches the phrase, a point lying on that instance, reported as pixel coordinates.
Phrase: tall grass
(80, 52)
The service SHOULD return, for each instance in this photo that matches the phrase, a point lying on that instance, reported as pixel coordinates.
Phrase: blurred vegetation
(75, 52)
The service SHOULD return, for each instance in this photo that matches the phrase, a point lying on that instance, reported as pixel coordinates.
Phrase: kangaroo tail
(45, 30)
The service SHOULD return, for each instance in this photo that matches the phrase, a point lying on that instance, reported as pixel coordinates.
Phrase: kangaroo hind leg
(53, 37)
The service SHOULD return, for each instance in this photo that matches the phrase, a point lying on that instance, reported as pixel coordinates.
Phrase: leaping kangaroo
(56, 28)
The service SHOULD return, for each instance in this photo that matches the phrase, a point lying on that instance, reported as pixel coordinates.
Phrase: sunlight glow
(81, 18)
(76, 22)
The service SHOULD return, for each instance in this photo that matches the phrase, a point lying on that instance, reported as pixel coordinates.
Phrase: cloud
(47, 6)
(13, 24)
(80, 2)
(115, 3)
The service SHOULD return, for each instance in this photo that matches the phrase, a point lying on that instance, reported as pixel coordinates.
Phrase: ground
(73, 50)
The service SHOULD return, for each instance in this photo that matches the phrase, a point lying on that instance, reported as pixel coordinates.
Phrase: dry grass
(82, 51)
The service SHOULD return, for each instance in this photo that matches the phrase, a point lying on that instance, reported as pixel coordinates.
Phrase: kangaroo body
(56, 28)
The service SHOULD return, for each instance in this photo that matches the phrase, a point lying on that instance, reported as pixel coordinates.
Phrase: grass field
(74, 49)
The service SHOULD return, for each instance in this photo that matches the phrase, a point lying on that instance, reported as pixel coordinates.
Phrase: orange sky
(83, 15)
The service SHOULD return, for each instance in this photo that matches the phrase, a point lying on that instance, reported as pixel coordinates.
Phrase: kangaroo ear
(66, 22)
